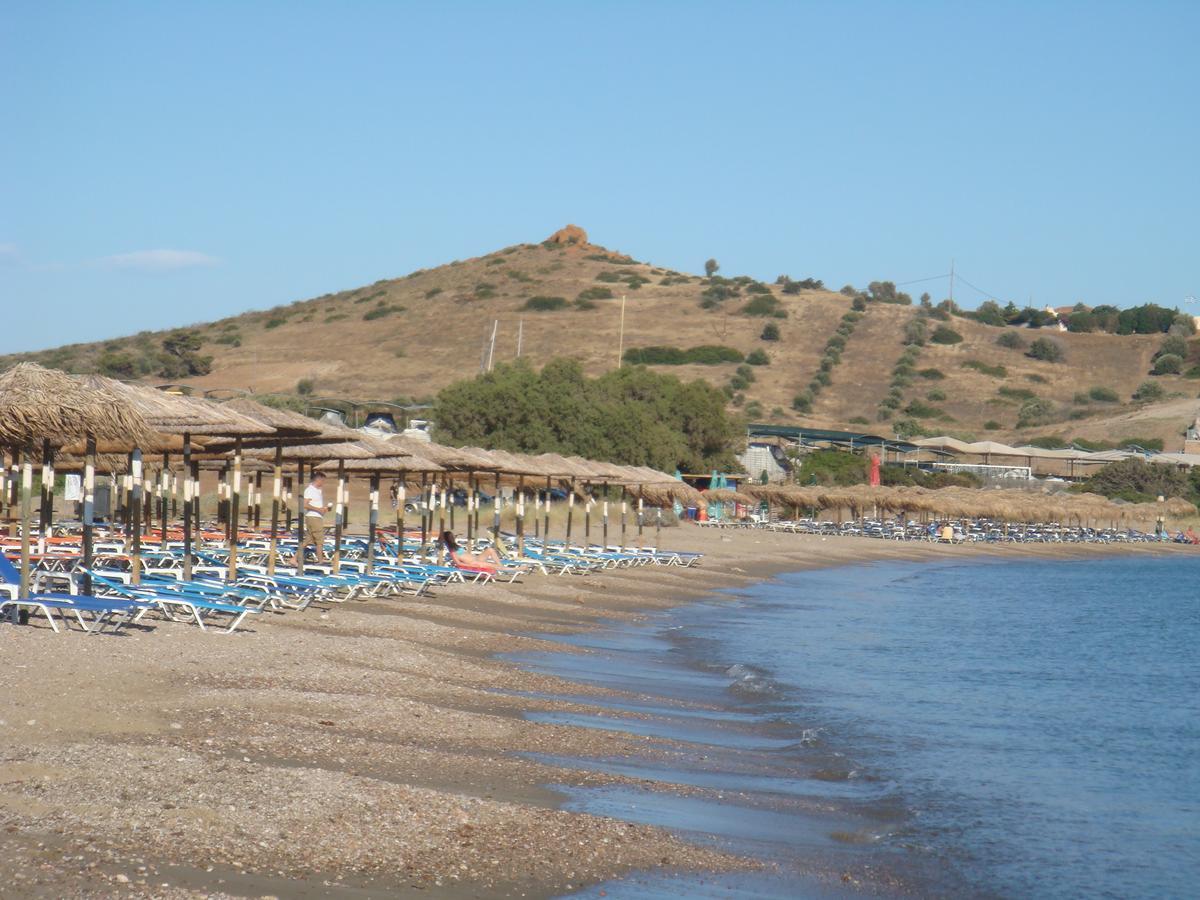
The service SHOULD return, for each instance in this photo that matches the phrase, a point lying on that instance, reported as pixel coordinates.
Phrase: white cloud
(159, 260)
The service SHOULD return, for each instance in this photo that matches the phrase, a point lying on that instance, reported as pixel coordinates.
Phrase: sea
(975, 729)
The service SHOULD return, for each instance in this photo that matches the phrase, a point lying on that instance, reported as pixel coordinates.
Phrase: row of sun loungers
(212, 602)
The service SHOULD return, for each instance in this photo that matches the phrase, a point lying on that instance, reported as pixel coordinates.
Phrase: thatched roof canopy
(283, 422)
(447, 457)
(39, 404)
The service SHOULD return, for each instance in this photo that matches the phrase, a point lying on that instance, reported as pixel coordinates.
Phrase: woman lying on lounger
(488, 558)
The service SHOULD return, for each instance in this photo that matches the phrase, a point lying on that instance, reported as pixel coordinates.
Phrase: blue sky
(167, 163)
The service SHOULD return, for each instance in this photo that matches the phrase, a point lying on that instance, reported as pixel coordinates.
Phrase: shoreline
(380, 746)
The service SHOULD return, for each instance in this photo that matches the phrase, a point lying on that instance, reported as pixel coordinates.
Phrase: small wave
(747, 681)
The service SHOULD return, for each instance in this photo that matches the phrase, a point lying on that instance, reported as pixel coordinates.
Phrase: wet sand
(374, 748)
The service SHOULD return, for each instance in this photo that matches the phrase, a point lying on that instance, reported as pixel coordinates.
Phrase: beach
(374, 748)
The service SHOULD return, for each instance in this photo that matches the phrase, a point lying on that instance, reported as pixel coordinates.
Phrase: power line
(919, 280)
(987, 294)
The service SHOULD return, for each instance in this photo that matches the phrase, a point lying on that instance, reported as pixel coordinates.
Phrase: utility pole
(492, 348)
(621, 334)
(520, 335)
(951, 282)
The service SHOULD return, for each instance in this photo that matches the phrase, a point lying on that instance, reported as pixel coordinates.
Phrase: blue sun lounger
(104, 611)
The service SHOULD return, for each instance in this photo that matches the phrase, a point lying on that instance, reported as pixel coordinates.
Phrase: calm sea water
(988, 729)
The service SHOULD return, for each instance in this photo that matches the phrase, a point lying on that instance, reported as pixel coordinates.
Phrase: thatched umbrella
(190, 418)
(47, 408)
(385, 458)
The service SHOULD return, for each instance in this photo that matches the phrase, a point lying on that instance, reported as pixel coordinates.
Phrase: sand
(374, 748)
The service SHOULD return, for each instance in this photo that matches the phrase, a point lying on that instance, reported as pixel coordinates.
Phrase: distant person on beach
(488, 557)
(314, 518)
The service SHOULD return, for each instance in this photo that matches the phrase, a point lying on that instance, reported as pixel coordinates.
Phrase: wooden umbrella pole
(521, 517)
(301, 516)
(3, 483)
(658, 527)
(26, 504)
(47, 517)
(276, 494)
(624, 516)
(339, 517)
(162, 507)
(258, 499)
(475, 510)
(401, 500)
(235, 496)
(641, 518)
(89, 509)
(496, 513)
(372, 522)
(604, 515)
(570, 512)
(447, 495)
(189, 500)
(425, 513)
(546, 514)
(135, 503)
(587, 513)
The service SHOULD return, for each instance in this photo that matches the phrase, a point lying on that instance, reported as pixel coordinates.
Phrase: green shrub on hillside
(1103, 395)
(932, 374)
(1045, 350)
(984, 368)
(380, 311)
(1149, 391)
(595, 293)
(764, 305)
(945, 335)
(703, 355)
(758, 358)
(936, 396)
(1167, 364)
(1016, 393)
(915, 332)
(770, 332)
(1034, 411)
(544, 304)
(992, 425)
(1012, 340)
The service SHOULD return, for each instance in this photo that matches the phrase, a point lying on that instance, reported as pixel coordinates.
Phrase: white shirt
(314, 496)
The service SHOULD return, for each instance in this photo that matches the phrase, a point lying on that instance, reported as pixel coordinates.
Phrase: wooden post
(89, 508)
(587, 513)
(276, 493)
(570, 512)
(447, 491)
(191, 491)
(546, 518)
(235, 496)
(641, 517)
(26, 503)
(372, 522)
(165, 480)
(470, 511)
(425, 513)
(624, 516)
(135, 507)
(301, 516)
(401, 500)
(47, 517)
(496, 513)
(658, 527)
(258, 499)
(475, 511)
(339, 516)
(604, 515)
(521, 516)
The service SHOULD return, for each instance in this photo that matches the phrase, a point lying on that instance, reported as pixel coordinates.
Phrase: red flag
(874, 478)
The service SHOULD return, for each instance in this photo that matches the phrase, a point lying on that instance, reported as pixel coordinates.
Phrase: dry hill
(407, 337)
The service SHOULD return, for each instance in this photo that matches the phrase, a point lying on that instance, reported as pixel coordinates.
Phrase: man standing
(314, 518)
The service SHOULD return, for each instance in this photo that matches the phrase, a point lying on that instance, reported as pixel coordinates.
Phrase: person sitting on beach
(489, 558)
(314, 518)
